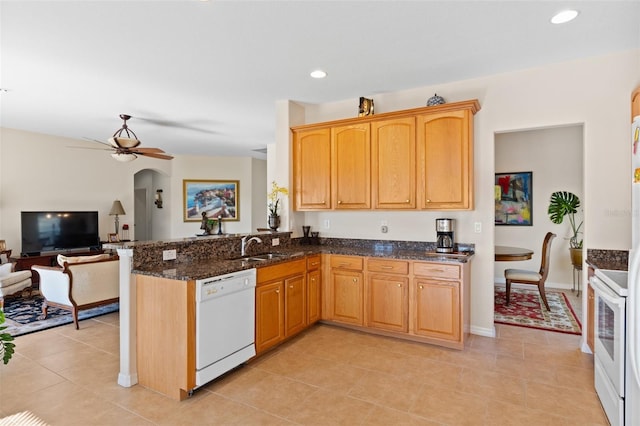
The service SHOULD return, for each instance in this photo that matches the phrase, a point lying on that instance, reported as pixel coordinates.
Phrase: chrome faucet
(246, 243)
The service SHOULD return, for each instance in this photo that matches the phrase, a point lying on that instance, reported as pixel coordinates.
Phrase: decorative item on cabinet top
(435, 100)
(365, 107)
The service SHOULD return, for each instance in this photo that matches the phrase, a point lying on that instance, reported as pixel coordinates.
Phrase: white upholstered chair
(83, 282)
(12, 282)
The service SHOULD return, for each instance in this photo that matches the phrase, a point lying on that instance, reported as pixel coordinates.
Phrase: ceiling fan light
(123, 158)
(120, 142)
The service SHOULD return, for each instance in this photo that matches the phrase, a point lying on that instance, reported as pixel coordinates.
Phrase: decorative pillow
(3, 259)
(81, 259)
(5, 269)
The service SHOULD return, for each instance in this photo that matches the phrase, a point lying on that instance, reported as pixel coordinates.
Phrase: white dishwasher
(225, 323)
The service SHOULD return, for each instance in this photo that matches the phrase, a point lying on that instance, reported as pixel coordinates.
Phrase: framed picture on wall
(513, 198)
(214, 198)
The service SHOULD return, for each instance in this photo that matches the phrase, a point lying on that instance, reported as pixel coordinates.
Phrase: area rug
(526, 309)
(23, 315)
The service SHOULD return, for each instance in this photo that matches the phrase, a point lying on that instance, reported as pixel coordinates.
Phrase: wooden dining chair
(538, 278)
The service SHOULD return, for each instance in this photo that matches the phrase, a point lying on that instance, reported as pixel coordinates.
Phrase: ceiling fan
(125, 145)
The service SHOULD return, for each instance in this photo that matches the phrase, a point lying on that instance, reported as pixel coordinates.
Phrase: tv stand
(25, 262)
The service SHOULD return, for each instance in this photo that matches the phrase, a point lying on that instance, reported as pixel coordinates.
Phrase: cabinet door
(313, 296)
(388, 302)
(269, 315)
(393, 163)
(437, 308)
(346, 302)
(351, 167)
(312, 169)
(295, 317)
(445, 155)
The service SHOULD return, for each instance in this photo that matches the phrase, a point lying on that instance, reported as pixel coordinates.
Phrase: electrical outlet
(275, 242)
(169, 254)
(384, 229)
(477, 227)
(327, 223)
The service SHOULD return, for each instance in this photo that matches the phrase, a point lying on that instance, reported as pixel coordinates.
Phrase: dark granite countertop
(201, 269)
(608, 259)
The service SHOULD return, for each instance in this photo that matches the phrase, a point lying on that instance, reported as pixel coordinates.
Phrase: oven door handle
(605, 292)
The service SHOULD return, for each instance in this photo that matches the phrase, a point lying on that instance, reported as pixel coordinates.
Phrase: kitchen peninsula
(394, 288)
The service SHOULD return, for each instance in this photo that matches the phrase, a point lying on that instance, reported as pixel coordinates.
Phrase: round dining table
(509, 254)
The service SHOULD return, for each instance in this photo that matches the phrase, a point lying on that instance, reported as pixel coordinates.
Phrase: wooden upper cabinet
(393, 163)
(351, 166)
(445, 158)
(312, 169)
(415, 159)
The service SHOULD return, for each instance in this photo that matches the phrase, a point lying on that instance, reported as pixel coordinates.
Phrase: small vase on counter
(274, 222)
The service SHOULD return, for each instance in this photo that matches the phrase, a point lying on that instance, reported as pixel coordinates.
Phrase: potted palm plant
(565, 204)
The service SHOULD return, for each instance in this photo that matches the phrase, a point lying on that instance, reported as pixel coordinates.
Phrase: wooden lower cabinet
(314, 284)
(346, 287)
(269, 315)
(437, 309)
(388, 302)
(295, 315)
(281, 303)
(416, 300)
(387, 294)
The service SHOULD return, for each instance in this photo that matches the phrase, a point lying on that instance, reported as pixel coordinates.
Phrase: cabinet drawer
(280, 270)
(389, 266)
(313, 262)
(436, 270)
(347, 262)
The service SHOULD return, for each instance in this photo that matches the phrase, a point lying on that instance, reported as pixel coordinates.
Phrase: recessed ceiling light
(318, 74)
(564, 16)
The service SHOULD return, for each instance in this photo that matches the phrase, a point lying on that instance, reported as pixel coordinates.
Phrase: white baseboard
(483, 331)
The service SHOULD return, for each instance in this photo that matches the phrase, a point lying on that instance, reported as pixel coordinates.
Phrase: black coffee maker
(444, 230)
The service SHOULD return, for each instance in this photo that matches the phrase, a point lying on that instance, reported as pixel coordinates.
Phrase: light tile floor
(326, 376)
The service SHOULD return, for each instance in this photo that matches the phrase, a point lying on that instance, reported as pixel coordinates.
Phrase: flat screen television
(58, 231)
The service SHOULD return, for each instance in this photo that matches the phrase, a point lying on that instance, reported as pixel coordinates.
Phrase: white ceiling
(203, 77)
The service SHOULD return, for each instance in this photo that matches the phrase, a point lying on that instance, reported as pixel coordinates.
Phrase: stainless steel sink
(268, 256)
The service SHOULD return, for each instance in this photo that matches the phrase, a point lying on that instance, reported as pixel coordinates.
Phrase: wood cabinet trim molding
(472, 105)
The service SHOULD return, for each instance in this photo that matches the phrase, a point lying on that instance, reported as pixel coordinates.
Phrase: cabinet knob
(339, 202)
(407, 201)
(399, 285)
(421, 287)
(290, 286)
(278, 291)
(355, 280)
(428, 201)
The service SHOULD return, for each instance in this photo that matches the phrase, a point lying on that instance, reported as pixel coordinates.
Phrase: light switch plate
(275, 242)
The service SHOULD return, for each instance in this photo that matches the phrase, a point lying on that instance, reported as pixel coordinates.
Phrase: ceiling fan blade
(148, 150)
(88, 147)
(97, 141)
(155, 155)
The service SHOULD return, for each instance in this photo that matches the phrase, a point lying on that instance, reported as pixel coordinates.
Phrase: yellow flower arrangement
(274, 197)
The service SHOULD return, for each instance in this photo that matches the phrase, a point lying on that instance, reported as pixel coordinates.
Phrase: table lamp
(116, 209)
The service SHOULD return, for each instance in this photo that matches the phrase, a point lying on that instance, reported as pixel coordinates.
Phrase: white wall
(41, 172)
(212, 168)
(555, 156)
(594, 91)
